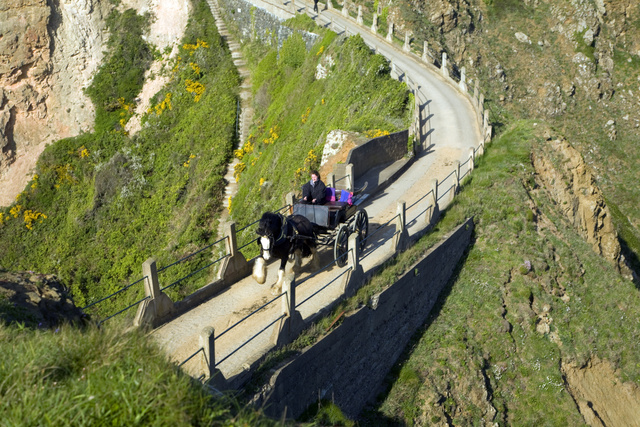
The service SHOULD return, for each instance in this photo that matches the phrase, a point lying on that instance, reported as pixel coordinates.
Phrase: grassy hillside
(103, 377)
(484, 354)
(101, 203)
(295, 111)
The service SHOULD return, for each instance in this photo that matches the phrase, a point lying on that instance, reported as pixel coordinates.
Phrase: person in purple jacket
(314, 191)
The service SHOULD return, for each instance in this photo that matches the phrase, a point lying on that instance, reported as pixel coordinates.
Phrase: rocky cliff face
(563, 173)
(49, 52)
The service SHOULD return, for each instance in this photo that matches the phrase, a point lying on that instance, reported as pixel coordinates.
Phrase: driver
(314, 191)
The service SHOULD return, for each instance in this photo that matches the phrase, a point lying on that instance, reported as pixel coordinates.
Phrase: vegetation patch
(100, 204)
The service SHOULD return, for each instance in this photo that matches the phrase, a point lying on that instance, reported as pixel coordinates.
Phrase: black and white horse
(283, 238)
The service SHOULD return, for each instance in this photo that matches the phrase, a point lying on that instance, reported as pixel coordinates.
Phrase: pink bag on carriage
(330, 194)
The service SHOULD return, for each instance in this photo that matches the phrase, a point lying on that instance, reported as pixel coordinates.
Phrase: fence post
(475, 94)
(457, 183)
(463, 80)
(331, 180)
(158, 303)
(481, 147)
(390, 33)
(355, 277)
(425, 49)
(235, 266)
(345, 10)
(400, 238)
(374, 25)
(432, 215)
(329, 5)
(352, 181)
(359, 18)
(472, 159)
(445, 71)
(207, 343)
(407, 40)
(289, 199)
(289, 327)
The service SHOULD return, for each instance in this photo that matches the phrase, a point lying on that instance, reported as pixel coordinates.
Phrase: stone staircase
(246, 110)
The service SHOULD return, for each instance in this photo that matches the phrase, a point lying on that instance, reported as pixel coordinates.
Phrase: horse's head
(269, 230)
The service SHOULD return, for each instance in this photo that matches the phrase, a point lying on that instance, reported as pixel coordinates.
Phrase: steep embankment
(50, 52)
(103, 202)
(536, 319)
(572, 64)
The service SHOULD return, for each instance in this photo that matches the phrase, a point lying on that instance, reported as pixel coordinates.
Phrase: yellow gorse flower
(305, 116)
(238, 169)
(31, 216)
(374, 133)
(195, 87)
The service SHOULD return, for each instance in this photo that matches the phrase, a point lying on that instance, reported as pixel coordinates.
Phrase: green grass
(103, 377)
(466, 344)
(112, 200)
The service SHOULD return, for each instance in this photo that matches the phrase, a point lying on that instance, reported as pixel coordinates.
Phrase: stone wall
(255, 22)
(378, 151)
(348, 365)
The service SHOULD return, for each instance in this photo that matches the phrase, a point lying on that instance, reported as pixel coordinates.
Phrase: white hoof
(260, 271)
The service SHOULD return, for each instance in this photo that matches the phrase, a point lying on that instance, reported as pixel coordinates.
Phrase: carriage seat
(338, 198)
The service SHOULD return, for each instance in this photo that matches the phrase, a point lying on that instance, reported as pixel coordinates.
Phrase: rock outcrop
(602, 398)
(37, 300)
(49, 52)
(561, 170)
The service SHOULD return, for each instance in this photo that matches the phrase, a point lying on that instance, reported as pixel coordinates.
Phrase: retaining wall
(255, 22)
(348, 365)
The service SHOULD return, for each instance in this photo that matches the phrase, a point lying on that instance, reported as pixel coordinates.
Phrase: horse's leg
(315, 258)
(297, 260)
(277, 287)
(260, 270)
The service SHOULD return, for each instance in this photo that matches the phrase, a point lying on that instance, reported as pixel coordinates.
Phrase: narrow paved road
(450, 130)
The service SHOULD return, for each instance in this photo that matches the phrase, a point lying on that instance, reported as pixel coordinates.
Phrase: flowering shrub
(82, 153)
(374, 133)
(31, 216)
(191, 48)
(238, 169)
(320, 50)
(166, 103)
(34, 184)
(188, 162)
(64, 175)
(195, 87)
(305, 115)
(273, 135)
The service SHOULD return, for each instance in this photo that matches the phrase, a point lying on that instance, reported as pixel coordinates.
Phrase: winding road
(449, 129)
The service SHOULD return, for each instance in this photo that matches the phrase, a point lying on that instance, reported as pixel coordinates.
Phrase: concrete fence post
(355, 277)
(457, 183)
(235, 266)
(331, 180)
(407, 40)
(463, 80)
(374, 25)
(425, 50)
(390, 33)
(480, 108)
(480, 151)
(290, 326)
(158, 304)
(352, 181)
(345, 10)
(472, 159)
(207, 343)
(329, 5)
(434, 212)
(445, 71)
(475, 94)
(359, 18)
(400, 237)
(290, 198)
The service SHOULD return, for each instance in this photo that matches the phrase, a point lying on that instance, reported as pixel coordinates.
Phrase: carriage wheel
(361, 226)
(341, 246)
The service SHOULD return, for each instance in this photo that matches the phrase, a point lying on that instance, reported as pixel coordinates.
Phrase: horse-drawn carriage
(310, 225)
(335, 220)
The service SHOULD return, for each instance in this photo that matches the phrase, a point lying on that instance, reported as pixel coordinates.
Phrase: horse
(283, 238)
